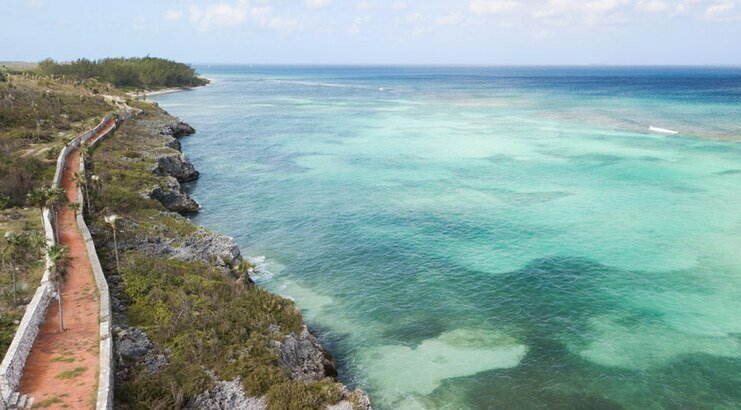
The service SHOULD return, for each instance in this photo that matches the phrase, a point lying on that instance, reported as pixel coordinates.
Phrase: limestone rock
(355, 400)
(174, 143)
(132, 342)
(226, 396)
(209, 247)
(176, 165)
(171, 195)
(180, 129)
(304, 358)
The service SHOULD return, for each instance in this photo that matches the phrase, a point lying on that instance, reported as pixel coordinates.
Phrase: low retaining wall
(11, 368)
(104, 399)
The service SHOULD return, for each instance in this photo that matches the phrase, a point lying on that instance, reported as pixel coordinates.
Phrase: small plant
(71, 374)
(75, 207)
(111, 221)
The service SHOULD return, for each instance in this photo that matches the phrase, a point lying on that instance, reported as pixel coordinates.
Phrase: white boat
(662, 130)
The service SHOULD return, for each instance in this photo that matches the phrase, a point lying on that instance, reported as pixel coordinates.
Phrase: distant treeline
(144, 73)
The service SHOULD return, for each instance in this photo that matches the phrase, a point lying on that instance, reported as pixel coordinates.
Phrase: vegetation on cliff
(210, 324)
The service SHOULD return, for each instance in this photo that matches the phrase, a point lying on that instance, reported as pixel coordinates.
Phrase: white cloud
(493, 7)
(317, 4)
(723, 11)
(652, 6)
(174, 15)
(225, 15)
(219, 15)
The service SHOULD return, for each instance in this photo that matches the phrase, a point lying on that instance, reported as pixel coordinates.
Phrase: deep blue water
(509, 237)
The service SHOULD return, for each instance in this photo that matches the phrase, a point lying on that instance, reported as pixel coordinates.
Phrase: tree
(59, 264)
(75, 207)
(38, 197)
(81, 182)
(86, 151)
(111, 220)
(56, 199)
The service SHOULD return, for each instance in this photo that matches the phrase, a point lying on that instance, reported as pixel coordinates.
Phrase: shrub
(303, 396)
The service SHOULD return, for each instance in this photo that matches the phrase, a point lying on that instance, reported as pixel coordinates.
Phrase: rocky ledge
(169, 162)
(171, 195)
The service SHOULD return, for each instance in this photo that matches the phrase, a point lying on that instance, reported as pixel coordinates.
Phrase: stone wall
(11, 368)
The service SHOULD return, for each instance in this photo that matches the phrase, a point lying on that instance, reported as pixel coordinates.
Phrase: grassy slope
(204, 318)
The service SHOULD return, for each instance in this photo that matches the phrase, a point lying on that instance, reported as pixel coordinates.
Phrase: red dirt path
(75, 350)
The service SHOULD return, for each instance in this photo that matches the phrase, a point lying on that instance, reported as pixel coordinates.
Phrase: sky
(445, 32)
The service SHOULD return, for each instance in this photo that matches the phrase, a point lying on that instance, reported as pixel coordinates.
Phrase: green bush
(303, 396)
(146, 72)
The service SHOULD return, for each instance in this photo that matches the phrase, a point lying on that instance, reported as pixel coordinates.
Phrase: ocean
(490, 237)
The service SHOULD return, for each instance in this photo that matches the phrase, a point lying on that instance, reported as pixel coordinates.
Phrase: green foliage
(147, 72)
(208, 322)
(20, 252)
(303, 396)
(17, 177)
(8, 325)
(37, 109)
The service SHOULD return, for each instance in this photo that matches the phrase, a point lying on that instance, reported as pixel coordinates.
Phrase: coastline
(168, 236)
(143, 95)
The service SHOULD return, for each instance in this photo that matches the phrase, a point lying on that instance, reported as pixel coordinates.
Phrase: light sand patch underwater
(401, 370)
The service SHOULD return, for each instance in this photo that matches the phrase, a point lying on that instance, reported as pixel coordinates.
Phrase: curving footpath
(70, 369)
(62, 368)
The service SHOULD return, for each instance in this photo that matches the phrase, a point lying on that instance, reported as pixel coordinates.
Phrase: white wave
(662, 130)
(317, 84)
(264, 270)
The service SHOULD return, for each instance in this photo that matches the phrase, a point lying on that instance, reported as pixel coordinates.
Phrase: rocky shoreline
(301, 356)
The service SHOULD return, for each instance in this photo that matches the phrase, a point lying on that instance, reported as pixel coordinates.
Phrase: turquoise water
(490, 237)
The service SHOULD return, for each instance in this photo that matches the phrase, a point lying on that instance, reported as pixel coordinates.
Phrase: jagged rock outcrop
(355, 400)
(209, 247)
(203, 246)
(226, 396)
(174, 143)
(179, 129)
(176, 165)
(133, 344)
(304, 358)
(171, 195)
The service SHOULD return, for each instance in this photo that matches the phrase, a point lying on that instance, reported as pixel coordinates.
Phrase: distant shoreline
(143, 95)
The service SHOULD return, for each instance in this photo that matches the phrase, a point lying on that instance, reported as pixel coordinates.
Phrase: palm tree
(56, 198)
(75, 207)
(85, 151)
(37, 197)
(81, 182)
(111, 220)
(59, 263)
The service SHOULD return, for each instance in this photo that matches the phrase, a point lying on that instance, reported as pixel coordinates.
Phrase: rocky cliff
(164, 234)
